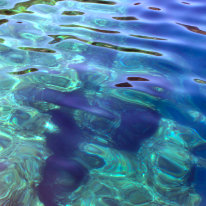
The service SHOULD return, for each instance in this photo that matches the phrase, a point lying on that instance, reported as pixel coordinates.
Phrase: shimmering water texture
(102, 103)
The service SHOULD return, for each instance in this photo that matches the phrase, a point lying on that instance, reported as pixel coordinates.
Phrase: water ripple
(121, 58)
(58, 38)
(194, 29)
(92, 29)
(98, 2)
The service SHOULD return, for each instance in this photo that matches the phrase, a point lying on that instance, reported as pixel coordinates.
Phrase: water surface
(102, 103)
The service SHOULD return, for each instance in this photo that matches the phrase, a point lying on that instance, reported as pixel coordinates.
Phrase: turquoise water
(102, 103)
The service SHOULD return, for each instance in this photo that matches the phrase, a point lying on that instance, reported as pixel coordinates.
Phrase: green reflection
(22, 7)
(2, 40)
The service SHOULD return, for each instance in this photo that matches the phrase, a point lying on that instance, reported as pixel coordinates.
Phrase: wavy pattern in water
(102, 102)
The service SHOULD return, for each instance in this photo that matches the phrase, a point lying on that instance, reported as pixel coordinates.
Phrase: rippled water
(102, 103)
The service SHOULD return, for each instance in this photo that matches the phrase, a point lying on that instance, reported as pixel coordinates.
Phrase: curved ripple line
(97, 2)
(45, 50)
(147, 37)
(92, 29)
(24, 71)
(126, 18)
(194, 29)
(58, 38)
(3, 21)
(72, 13)
(154, 8)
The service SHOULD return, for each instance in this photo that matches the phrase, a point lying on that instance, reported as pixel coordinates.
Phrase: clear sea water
(102, 103)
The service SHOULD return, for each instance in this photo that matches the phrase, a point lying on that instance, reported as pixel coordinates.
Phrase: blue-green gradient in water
(102, 103)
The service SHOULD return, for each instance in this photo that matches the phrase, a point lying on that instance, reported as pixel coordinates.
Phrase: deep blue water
(102, 103)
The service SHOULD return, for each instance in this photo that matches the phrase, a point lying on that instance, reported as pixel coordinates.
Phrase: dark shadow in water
(200, 186)
(61, 174)
(136, 125)
(66, 141)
